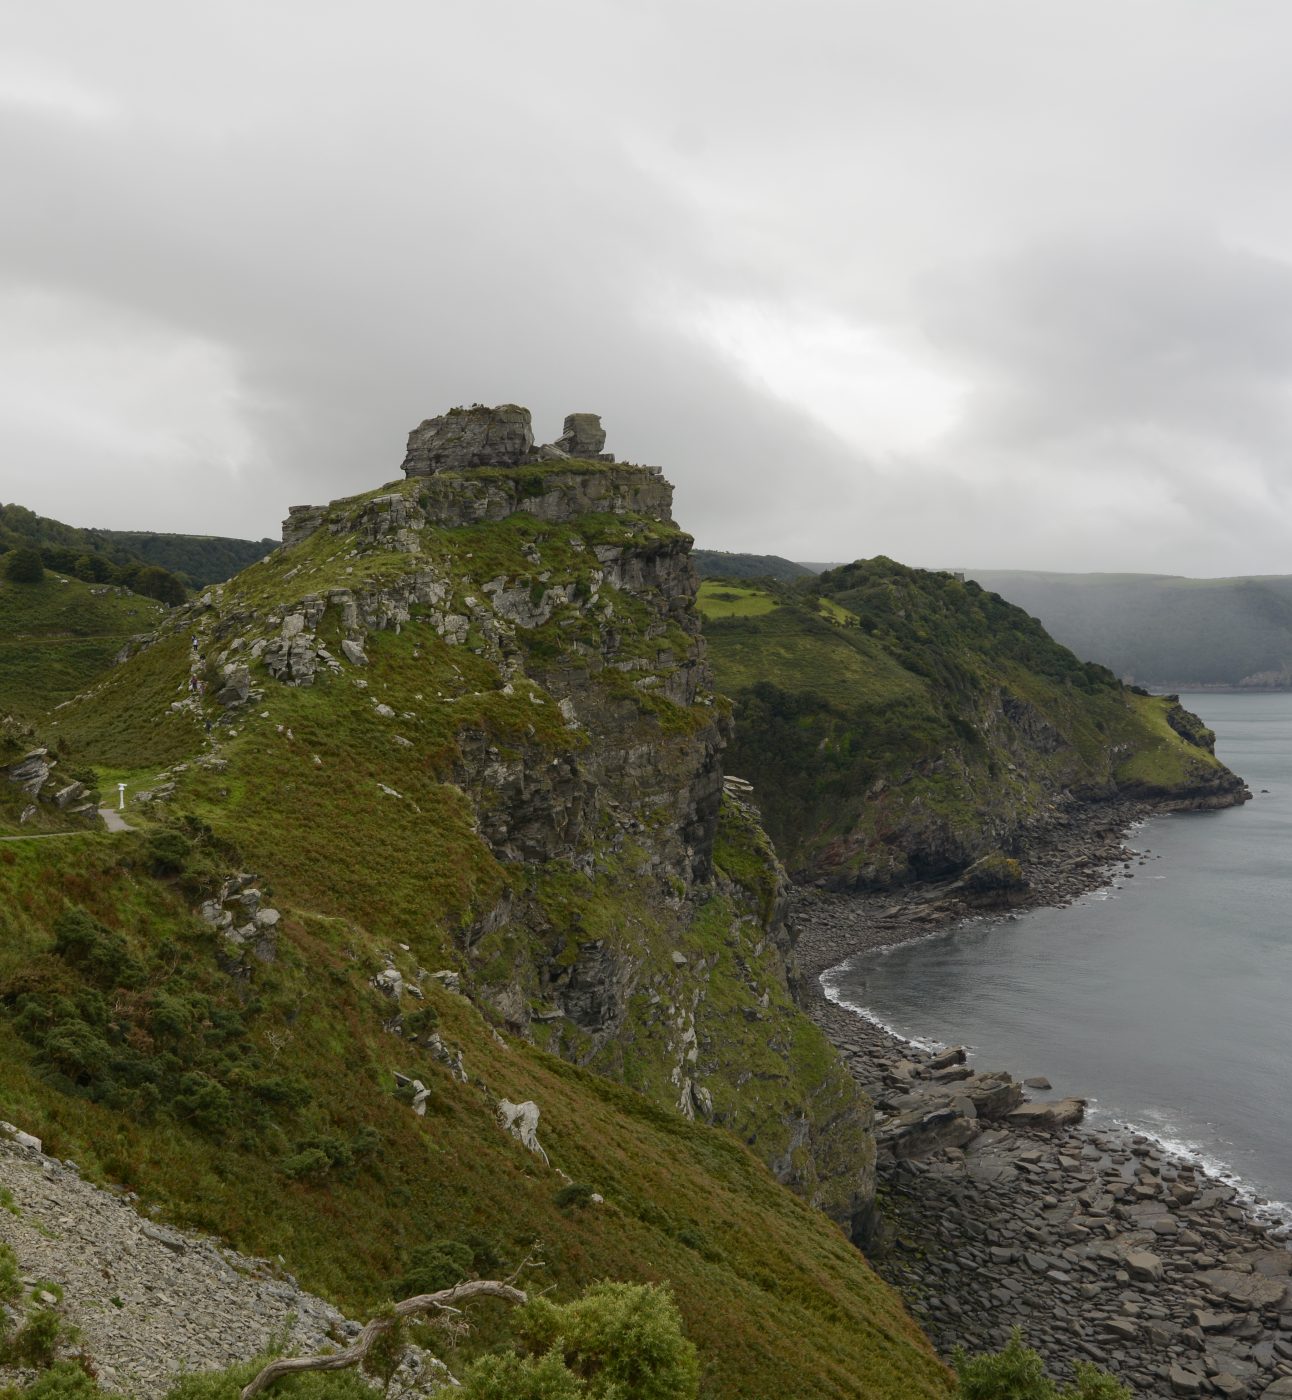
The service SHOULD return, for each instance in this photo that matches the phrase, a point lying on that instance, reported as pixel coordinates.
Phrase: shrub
(621, 1339)
(168, 851)
(81, 940)
(23, 566)
(10, 1275)
(514, 1378)
(1018, 1373)
(577, 1193)
(36, 1341)
(205, 1102)
(65, 1380)
(434, 1266)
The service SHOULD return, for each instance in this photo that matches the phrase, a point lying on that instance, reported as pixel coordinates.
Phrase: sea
(1165, 998)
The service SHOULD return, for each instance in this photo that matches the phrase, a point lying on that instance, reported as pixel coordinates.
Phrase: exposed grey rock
(301, 523)
(354, 653)
(1246, 1290)
(73, 792)
(1141, 1264)
(237, 686)
(389, 981)
(31, 772)
(470, 437)
(521, 1120)
(1184, 1381)
(1048, 1117)
(582, 435)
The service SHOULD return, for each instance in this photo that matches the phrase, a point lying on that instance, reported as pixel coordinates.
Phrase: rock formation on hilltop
(464, 438)
(514, 652)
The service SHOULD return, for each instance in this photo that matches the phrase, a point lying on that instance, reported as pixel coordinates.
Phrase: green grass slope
(1163, 630)
(899, 724)
(260, 1102)
(58, 635)
(517, 781)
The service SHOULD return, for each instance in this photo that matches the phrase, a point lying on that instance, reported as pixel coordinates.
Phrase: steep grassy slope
(899, 724)
(259, 1100)
(1162, 630)
(58, 635)
(461, 724)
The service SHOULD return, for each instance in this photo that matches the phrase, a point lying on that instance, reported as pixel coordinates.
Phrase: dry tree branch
(443, 1301)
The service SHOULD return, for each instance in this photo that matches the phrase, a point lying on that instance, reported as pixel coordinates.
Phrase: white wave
(1177, 1147)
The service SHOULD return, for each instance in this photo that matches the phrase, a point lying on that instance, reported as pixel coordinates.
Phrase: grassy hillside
(472, 735)
(56, 636)
(899, 724)
(1162, 630)
(718, 563)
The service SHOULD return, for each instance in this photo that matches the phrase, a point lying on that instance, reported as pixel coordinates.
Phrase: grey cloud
(350, 220)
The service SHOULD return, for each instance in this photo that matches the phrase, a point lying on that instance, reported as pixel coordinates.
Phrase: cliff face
(506, 668)
(900, 724)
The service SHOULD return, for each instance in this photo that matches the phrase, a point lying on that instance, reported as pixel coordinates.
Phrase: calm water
(1165, 999)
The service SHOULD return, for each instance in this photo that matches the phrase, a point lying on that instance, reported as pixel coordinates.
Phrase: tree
(93, 568)
(155, 582)
(23, 566)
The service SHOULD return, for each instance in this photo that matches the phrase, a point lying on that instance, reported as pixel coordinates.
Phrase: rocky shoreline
(1000, 1213)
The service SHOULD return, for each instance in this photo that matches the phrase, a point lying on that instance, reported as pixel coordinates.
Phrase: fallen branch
(443, 1301)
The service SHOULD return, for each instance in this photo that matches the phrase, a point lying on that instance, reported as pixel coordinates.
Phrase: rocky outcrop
(470, 437)
(582, 436)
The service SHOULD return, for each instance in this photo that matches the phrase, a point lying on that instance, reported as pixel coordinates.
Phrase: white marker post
(121, 797)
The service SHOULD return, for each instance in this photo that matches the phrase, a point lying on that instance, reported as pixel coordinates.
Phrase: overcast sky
(968, 282)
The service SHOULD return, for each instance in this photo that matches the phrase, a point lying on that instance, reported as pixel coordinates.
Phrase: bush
(577, 1193)
(436, 1266)
(81, 940)
(514, 1378)
(10, 1275)
(1018, 1373)
(205, 1102)
(65, 1380)
(168, 852)
(23, 566)
(621, 1339)
(36, 1341)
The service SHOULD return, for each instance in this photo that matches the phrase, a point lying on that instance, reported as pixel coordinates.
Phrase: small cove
(1163, 998)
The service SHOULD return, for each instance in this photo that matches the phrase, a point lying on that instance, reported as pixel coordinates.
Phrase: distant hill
(202, 559)
(1163, 630)
(717, 563)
